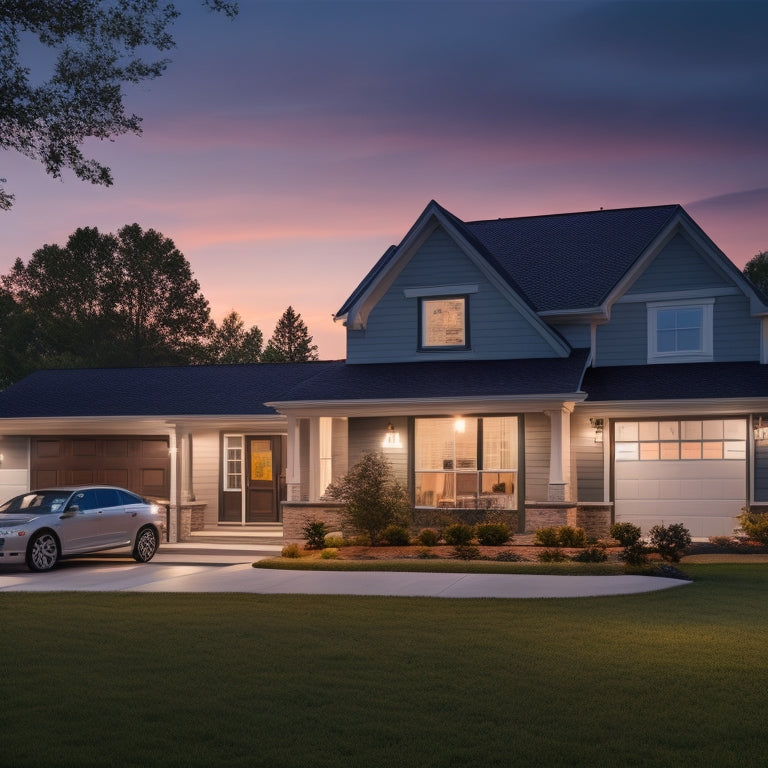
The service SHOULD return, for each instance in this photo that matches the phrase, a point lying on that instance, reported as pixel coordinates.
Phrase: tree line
(120, 300)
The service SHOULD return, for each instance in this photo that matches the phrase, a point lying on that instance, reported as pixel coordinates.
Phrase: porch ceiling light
(391, 438)
(597, 425)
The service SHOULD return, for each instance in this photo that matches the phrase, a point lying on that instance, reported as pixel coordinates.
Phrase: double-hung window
(680, 331)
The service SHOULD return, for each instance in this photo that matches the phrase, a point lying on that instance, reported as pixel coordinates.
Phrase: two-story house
(579, 368)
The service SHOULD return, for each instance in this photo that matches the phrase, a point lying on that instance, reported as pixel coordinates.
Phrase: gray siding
(497, 330)
(366, 436)
(761, 471)
(537, 439)
(587, 463)
(624, 340)
(578, 336)
(678, 267)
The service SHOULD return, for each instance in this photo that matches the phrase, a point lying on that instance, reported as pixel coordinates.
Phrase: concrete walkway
(197, 568)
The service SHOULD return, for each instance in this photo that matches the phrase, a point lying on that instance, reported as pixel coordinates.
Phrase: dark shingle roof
(682, 381)
(193, 390)
(556, 262)
(479, 378)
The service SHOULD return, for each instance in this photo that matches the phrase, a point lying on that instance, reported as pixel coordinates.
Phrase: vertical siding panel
(537, 445)
(586, 460)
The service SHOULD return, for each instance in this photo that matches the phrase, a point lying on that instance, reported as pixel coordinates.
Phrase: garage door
(140, 464)
(685, 471)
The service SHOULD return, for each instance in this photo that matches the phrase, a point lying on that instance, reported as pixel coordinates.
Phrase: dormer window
(443, 322)
(680, 331)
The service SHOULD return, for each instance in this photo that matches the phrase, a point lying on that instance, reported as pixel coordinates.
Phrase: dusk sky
(284, 151)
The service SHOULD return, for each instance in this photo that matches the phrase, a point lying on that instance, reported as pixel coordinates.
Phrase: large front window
(466, 462)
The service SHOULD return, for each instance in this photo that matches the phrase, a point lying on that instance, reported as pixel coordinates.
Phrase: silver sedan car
(41, 527)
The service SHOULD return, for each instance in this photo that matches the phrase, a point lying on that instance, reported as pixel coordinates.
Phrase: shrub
(625, 533)
(429, 537)
(547, 537)
(594, 554)
(335, 541)
(291, 550)
(634, 554)
(670, 541)
(459, 534)
(755, 525)
(508, 557)
(493, 534)
(424, 554)
(314, 532)
(372, 497)
(466, 552)
(396, 536)
(329, 554)
(552, 556)
(571, 537)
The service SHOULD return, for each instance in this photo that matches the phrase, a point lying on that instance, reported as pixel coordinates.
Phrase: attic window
(444, 322)
(680, 331)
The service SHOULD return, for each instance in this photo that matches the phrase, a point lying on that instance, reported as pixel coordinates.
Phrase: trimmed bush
(634, 554)
(552, 556)
(335, 541)
(314, 532)
(625, 533)
(569, 536)
(493, 534)
(329, 554)
(547, 537)
(466, 552)
(670, 541)
(429, 537)
(594, 554)
(291, 550)
(755, 525)
(396, 536)
(458, 534)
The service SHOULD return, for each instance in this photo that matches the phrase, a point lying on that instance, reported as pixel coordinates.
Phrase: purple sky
(285, 151)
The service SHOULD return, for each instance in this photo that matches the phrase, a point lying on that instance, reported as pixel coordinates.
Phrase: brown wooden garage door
(140, 464)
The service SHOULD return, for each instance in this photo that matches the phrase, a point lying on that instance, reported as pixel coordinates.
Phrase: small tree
(372, 497)
(231, 343)
(756, 269)
(291, 342)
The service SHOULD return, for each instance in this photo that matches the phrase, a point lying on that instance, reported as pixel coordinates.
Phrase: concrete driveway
(197, 568)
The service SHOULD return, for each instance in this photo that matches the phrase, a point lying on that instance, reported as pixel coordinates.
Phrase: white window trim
(704, 353)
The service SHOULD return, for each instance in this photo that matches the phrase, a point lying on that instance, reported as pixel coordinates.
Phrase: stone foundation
(595, 519)
(296, 514)
(191, 518)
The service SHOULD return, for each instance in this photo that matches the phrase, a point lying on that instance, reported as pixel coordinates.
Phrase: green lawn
(673, 678)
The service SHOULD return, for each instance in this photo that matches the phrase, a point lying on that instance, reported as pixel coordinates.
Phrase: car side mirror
(70, 511)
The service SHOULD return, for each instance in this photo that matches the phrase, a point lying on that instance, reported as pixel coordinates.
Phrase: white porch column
(559, 488)
(293, 470)
(184, 447)
(175, 496)
(314, 458)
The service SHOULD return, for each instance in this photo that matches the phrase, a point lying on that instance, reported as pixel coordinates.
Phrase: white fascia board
(127, 425)
(585, 316)
(694, 407)
(427, 406)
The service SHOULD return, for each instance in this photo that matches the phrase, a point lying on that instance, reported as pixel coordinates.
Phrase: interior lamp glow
(391, 438)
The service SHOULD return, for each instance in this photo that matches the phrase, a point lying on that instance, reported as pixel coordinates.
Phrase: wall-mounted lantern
(391, 438)
(597, 425)
(760, 429)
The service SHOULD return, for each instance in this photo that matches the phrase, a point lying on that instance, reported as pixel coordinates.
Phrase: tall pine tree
(291, 342)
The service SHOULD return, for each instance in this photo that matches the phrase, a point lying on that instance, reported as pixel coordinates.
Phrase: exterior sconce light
(391, 438)
(760, 429)
(597, 425)
(459, 425)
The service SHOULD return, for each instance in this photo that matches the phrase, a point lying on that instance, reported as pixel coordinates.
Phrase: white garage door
(685, 471)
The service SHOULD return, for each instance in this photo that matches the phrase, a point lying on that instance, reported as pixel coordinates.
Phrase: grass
(669, 678)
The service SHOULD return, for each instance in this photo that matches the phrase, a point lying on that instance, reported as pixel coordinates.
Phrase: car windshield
(39, 502)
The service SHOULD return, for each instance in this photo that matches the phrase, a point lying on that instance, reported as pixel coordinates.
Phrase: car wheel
(42, 552)
(146, 545)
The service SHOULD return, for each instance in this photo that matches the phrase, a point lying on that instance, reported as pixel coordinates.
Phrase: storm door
(263, 473)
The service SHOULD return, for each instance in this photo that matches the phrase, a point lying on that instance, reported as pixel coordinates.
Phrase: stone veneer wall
(296, 514)
(192, 519)
(595, 519)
